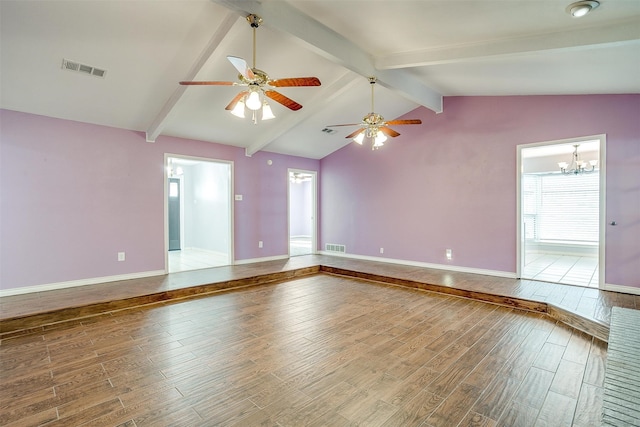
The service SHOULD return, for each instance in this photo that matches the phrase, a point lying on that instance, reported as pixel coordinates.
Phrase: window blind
(563, 208)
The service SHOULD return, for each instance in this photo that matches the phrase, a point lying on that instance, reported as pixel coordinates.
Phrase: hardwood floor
(320, 350)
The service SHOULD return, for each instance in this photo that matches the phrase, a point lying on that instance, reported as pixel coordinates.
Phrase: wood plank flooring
(319, 350)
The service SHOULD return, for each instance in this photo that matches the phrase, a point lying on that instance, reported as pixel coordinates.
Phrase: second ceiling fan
(374, 127)
(257, 83)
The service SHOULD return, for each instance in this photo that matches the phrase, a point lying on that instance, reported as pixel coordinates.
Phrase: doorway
(561, 211)
(198, 213)
(302, 212)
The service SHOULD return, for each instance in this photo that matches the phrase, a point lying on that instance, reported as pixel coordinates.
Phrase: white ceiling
(420, 51)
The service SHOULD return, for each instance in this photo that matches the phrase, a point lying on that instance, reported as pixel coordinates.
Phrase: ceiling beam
(335, 89)
(329, 44)
(161, 119)
(586, 38)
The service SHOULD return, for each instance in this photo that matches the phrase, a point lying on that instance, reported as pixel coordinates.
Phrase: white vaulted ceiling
(420, 51)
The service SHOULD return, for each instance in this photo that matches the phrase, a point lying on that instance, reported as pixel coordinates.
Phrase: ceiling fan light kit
(374, 128)
(254, 98)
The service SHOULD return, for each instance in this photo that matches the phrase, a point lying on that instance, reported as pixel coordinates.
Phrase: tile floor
(570, 270)
(195, 259)
(300, 246)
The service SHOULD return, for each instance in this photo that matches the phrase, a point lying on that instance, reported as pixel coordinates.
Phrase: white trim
(206, 251)
(602, 249)
(456, 268)
(602, 190)
(301, 236)
(622, 289)
(81, 282)
(520, 235)
(268, 258)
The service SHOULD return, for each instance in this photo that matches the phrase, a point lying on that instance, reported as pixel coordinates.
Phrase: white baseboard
(81, 282)
(622, 289)
(425, 265)
(207, 251)
(252, 260)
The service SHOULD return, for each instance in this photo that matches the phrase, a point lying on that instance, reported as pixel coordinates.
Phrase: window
(561, 208)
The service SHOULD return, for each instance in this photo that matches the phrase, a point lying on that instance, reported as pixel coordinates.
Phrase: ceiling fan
(374, 127)
(257, 83)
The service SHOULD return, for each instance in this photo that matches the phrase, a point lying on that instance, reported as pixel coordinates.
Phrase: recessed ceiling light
(581, 8)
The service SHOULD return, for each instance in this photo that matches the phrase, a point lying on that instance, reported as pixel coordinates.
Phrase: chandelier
(577, 166)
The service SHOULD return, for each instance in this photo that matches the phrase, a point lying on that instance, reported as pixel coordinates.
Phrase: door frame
(602, 201)
(166, 204)
(314, 208)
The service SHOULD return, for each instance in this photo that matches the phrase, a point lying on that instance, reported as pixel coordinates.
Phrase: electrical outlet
(381, 250)
(449, 254)
(121, 256)
(260, 244)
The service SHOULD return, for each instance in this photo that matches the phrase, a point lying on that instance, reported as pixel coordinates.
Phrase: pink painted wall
(451, 182)
(73, 195)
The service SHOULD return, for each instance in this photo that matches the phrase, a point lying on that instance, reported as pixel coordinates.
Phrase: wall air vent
(330, 247)
(329, 131)
(82, 68)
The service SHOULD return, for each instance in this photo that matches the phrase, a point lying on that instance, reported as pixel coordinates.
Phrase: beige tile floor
(195, 259)
(300, 246)
(567, 269)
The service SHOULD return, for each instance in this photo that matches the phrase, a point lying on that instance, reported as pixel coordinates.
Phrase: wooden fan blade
(350, 124)
(351, 135)
(295, 81)
(209, 83)
(405, 122)
(388, 131)
(235, 100)
(242, 67)
(287, 102)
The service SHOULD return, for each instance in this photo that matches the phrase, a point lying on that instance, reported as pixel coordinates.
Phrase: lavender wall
(72, 195)
(451, 182)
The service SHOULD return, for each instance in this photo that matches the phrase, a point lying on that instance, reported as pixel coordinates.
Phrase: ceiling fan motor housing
(372, 119)
(261, 77)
